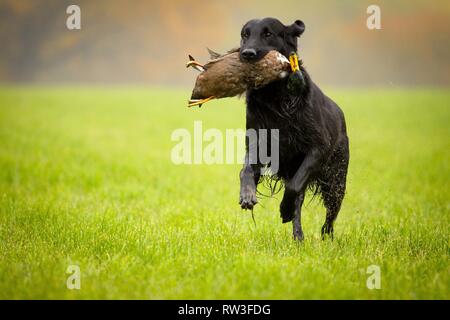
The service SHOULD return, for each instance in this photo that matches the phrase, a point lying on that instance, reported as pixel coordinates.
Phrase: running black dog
(313, 143)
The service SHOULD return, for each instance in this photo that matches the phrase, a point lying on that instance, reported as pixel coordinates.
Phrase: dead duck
(227, 76)
(220, 77)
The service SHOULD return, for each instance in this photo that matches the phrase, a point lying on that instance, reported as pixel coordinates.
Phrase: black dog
(313, 143)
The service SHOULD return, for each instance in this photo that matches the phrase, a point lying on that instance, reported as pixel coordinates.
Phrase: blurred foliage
(148, 41)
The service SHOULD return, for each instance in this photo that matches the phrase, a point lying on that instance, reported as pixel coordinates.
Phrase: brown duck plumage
(227, 76)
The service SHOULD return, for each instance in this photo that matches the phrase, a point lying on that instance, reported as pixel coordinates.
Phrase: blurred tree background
(148, 41)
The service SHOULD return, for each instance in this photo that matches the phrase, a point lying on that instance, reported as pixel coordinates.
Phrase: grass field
(86, 179)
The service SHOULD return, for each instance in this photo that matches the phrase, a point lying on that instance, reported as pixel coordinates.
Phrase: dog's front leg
(297, 185)
(249, 179)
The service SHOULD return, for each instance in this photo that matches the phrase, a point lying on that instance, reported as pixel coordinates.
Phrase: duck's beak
(198, 102)
(293, 60)
(194, 64)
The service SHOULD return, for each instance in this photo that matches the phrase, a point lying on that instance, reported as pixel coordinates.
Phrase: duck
(220, 77)
(225, 75)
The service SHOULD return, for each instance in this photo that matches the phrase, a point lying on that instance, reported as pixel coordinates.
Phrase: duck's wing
(212, 54)
(215, 57)
(213, 61)
(235, 49)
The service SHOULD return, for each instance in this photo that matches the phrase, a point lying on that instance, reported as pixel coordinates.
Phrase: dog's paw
(327, 230)
(287, 206)
(248, 199)
(298, 235)
(287, 211)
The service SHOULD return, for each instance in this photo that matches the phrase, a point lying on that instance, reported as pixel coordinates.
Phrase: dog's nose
(248, 54)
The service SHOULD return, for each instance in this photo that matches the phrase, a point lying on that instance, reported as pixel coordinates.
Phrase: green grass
(86, 179)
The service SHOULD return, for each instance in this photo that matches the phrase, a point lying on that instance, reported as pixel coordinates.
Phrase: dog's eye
(245, 34)
(267, 34)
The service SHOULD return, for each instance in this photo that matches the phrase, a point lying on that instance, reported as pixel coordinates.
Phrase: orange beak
(293, 60)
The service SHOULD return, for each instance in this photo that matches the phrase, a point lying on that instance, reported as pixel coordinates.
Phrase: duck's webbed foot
(199, 102)
(194, 64)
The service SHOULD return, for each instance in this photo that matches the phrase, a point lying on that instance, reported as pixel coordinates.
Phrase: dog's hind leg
(327, 228)
(332, 196)
(297, 185)
(297, 231)
(333, 190)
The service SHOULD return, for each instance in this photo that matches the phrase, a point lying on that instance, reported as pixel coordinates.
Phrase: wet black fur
(313, 147)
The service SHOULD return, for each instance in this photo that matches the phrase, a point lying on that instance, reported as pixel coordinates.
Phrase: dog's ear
(292, 32)
(296, 29)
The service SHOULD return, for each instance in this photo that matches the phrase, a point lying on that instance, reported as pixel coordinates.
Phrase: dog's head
(260, 36)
